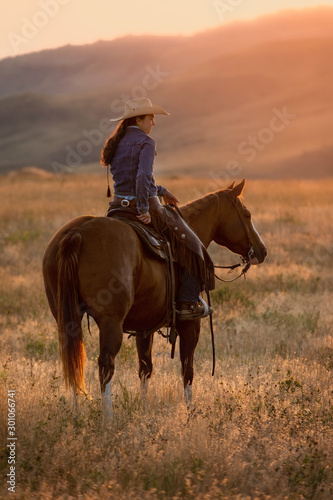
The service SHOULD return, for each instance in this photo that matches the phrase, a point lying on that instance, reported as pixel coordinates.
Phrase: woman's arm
(144, 176)
(143, 182)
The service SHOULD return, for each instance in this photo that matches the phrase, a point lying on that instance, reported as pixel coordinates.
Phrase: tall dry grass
(261, 428)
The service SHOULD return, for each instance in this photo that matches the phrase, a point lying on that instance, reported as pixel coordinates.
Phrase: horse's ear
(238, 190)
(231, 186)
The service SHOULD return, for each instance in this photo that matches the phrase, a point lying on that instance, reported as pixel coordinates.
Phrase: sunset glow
(37, 25)
(228, 106)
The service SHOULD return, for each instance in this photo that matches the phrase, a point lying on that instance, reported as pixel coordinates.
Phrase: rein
(231, 268)
(246, 261)
(209, 303)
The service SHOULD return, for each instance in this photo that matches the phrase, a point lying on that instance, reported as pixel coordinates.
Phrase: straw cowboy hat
(140, 106)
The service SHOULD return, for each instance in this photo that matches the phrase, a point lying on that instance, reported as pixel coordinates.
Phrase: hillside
(253, 98)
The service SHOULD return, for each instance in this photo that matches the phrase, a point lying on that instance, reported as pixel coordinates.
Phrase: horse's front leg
(144, 347)
(188, 338)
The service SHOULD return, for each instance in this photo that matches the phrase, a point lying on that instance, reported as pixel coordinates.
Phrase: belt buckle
(124, 203)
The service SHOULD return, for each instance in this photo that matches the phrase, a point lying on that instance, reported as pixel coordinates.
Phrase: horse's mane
(193, 206)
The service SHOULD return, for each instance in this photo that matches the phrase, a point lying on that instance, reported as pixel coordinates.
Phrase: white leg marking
(188, 394)
(144, 387)
(107, 402)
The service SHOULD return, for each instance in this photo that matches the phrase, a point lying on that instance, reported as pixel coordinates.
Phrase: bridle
(246, 261)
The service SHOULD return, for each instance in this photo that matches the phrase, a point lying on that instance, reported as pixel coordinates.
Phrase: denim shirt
(132, 168)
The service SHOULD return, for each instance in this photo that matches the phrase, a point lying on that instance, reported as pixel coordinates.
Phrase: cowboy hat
(138, 107)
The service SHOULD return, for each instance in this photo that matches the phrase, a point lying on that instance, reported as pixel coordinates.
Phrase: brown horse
(98, 265)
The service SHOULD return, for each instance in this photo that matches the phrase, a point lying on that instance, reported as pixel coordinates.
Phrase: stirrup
(206, 307)
(193, 310)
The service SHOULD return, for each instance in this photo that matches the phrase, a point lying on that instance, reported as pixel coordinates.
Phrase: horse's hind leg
(144, 347)
(111, 337)
(188, 339)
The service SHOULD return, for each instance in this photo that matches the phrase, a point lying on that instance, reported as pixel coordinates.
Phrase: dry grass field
(261, 427)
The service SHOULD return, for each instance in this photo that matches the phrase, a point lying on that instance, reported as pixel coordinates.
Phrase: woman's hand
(145, 218)
(169, 198)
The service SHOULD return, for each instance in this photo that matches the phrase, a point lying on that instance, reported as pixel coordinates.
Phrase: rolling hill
(247, 99)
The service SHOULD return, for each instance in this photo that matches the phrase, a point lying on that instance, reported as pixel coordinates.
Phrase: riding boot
(190, 305)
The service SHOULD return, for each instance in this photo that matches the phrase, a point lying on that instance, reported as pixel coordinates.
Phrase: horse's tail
(69, 316)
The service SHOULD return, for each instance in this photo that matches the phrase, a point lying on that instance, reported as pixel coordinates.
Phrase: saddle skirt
(151, 240)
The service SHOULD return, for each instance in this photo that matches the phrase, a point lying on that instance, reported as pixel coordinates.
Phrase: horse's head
(236, 230)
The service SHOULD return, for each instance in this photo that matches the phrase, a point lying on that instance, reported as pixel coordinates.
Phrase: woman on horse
(130, 154)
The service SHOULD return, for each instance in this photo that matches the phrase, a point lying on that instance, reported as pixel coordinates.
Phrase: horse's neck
(202, 216)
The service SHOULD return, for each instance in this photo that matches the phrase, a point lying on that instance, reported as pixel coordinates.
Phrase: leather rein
(245, 261)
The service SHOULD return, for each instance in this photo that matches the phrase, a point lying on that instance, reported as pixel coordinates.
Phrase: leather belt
(123, 202)
(154, 201)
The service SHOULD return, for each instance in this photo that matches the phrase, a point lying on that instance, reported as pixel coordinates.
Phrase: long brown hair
(112, 142)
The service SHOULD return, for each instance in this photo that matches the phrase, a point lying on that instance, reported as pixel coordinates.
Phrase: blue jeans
(189, 289)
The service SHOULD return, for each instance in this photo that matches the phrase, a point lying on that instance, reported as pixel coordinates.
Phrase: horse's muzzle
(256, 258)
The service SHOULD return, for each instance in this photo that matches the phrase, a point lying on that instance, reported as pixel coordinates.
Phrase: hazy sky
(31, 25)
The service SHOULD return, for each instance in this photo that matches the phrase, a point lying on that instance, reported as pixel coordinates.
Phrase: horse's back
(103, 239)
(111, 268)
(100, 231)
